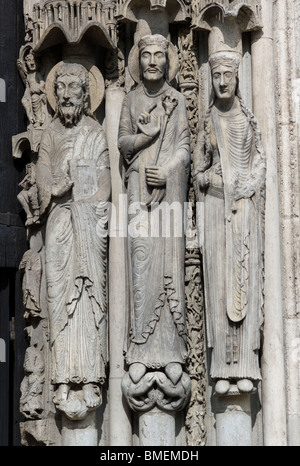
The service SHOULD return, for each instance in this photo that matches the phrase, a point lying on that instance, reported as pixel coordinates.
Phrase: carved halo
(134, 66)
(96, 83)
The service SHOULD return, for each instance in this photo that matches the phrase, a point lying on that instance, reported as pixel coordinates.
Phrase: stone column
(233, 421)
(287, 98)
(83, 433)
(273, 385)
(157, 428)
(119, 418)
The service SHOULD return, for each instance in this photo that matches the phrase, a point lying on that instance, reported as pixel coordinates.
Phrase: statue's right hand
(148, 124)
(202, 180)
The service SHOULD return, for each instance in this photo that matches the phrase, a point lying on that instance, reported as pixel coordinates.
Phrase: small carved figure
(229, 168)
(73, 177)
(29, 28)
(28, 197)
(34, 100)
(31, 266)
(31, 403)
(154, 142)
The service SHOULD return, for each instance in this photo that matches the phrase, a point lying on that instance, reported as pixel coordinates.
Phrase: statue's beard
(71, 115)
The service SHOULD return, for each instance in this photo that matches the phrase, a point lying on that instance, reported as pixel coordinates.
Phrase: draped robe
(233, 241)
(156, 320)
(75, 249)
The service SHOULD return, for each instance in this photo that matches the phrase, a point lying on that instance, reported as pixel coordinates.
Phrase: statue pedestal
(157, 428)
(80, 433)
(233, 420)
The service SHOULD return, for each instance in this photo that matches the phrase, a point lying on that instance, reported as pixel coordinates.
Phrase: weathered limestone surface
(273, 386)
(229, 167)
(154, 141)
(287, 65)
(144, 332)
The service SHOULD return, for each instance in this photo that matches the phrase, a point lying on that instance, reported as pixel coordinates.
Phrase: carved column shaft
(120, 427)
(233, 418)
(287, 66)
(157, 428)
(273, 387)
(83, 433)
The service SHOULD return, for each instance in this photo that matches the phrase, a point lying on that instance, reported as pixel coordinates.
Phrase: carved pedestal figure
(73, 181)
(154, 142)
(34, 99)
(230, 171)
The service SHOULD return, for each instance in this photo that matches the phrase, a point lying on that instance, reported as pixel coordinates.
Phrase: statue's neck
(152, 88)
(227, 105)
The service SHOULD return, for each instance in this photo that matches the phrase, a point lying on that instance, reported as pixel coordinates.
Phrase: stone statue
(154, 143)
(229, 170)
(73, 181)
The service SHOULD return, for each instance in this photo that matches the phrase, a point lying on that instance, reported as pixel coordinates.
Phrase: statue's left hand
(156, 177)
(62, 186)
(244, 193)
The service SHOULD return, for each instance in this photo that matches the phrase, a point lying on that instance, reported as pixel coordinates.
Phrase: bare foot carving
(91, 395)
(61, 393)
(77, 402)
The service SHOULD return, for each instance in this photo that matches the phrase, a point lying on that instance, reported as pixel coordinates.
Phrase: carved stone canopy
(62, 21)
(133, 10)
(247, 14)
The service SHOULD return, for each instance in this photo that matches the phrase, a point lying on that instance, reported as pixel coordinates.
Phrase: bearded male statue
(155, 145)
(73, 182)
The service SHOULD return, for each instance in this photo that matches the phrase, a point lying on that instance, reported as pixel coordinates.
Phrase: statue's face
(224, 82)
(153, 62)
(70, 96)
(30, 62)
